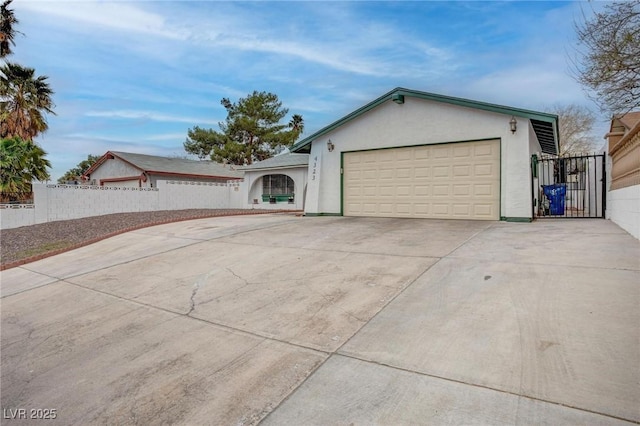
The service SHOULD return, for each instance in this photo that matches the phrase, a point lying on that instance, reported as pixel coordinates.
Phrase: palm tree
(7, 33)
(297, 123)
(21, 162)
(24, 99)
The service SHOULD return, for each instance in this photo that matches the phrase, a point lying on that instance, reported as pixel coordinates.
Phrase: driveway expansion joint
(476, 385)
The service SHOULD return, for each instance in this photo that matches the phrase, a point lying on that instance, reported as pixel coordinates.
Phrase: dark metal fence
(569, 187)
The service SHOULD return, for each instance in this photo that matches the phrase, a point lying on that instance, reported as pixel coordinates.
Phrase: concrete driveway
(294, 320)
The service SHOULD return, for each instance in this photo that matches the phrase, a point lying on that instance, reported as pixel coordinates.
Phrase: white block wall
(63, 202)
(178, 195)
(623, 208)
(75, 201)
(16, 215)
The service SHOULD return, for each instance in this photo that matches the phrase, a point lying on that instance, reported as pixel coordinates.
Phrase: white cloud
(148, 115)
(166, 137)
(118, 16)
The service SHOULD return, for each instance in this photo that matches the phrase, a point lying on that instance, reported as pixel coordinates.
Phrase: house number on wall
(313, 171)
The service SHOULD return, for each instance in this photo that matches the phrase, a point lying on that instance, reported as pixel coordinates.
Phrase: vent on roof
(546, 136)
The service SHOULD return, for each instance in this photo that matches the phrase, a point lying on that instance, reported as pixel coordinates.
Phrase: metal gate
(568, 187)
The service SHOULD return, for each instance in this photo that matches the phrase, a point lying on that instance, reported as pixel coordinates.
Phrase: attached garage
(420, 155)
(443, 181)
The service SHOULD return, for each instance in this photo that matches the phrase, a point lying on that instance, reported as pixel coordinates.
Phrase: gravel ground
(29, 243)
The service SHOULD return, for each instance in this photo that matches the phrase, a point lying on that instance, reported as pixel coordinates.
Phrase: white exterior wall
(115, 168)
(155, 179)
(123, 184)
(63, 202)
(623, 208)
(252, 188)
(17, 215)
(420, 122)
(623, 205)
(76, 201)
(178, 195)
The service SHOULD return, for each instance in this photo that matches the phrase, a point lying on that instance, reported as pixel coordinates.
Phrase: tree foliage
(24, 100)
(609, 60)
(21, 162)
(576, 125)
(76, 172)
(7, 31)
(251, 132)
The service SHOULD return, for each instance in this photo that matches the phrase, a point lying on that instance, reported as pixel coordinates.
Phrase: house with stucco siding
(277, 182)
(417, 154)
(125, 169)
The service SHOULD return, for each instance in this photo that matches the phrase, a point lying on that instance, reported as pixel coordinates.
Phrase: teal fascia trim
(516, 219)
(305, 144)
(322, 214)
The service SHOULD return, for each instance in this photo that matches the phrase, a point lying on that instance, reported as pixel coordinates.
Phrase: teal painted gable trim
(322, 214)
(305, 144)
(516, 219)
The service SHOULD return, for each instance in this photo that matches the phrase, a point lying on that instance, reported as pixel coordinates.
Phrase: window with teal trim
(277, 185)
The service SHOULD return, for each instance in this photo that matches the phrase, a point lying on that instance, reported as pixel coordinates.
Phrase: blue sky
(135, 76)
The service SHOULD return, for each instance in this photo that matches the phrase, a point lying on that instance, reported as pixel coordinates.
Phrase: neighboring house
(418, 154)
(623, 196)
(278, 182)
(125, 169)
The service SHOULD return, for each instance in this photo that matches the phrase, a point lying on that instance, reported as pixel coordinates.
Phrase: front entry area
(444, 181)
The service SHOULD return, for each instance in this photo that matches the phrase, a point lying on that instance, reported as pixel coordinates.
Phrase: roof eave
(104, 158)
(195, 175)
(304, 145)
(293, 166)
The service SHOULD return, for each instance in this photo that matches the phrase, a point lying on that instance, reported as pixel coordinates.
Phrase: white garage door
(447, 181)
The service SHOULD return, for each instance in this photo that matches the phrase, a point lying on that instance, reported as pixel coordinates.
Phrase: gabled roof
(282, 161)
(152, 164)
(544, 125)
(623, 129)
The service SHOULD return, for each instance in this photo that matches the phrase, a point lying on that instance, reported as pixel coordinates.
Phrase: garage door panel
(440, 190)
(483, 190)
(481, 170)
(440, 152)
(462, 152)
(462, 170)
(461, 210)
(441, 172)
(422, 190)
(464, 190)
(440, 209)
(484, 150)
(459, 181)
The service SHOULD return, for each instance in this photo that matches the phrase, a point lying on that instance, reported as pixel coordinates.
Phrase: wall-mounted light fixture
(330, 145)
(397, 98)
(513, 124)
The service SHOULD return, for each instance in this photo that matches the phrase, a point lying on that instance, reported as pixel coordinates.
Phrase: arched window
(277, 185)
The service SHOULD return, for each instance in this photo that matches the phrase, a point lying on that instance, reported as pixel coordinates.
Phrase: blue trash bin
(556, 194)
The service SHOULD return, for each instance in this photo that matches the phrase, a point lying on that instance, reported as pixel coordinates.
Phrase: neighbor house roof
(623, 129)
(282, 161)
(544, 125)
(629, 120)
(152, 164)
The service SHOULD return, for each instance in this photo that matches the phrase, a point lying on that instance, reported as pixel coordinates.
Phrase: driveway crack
(196, 287)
